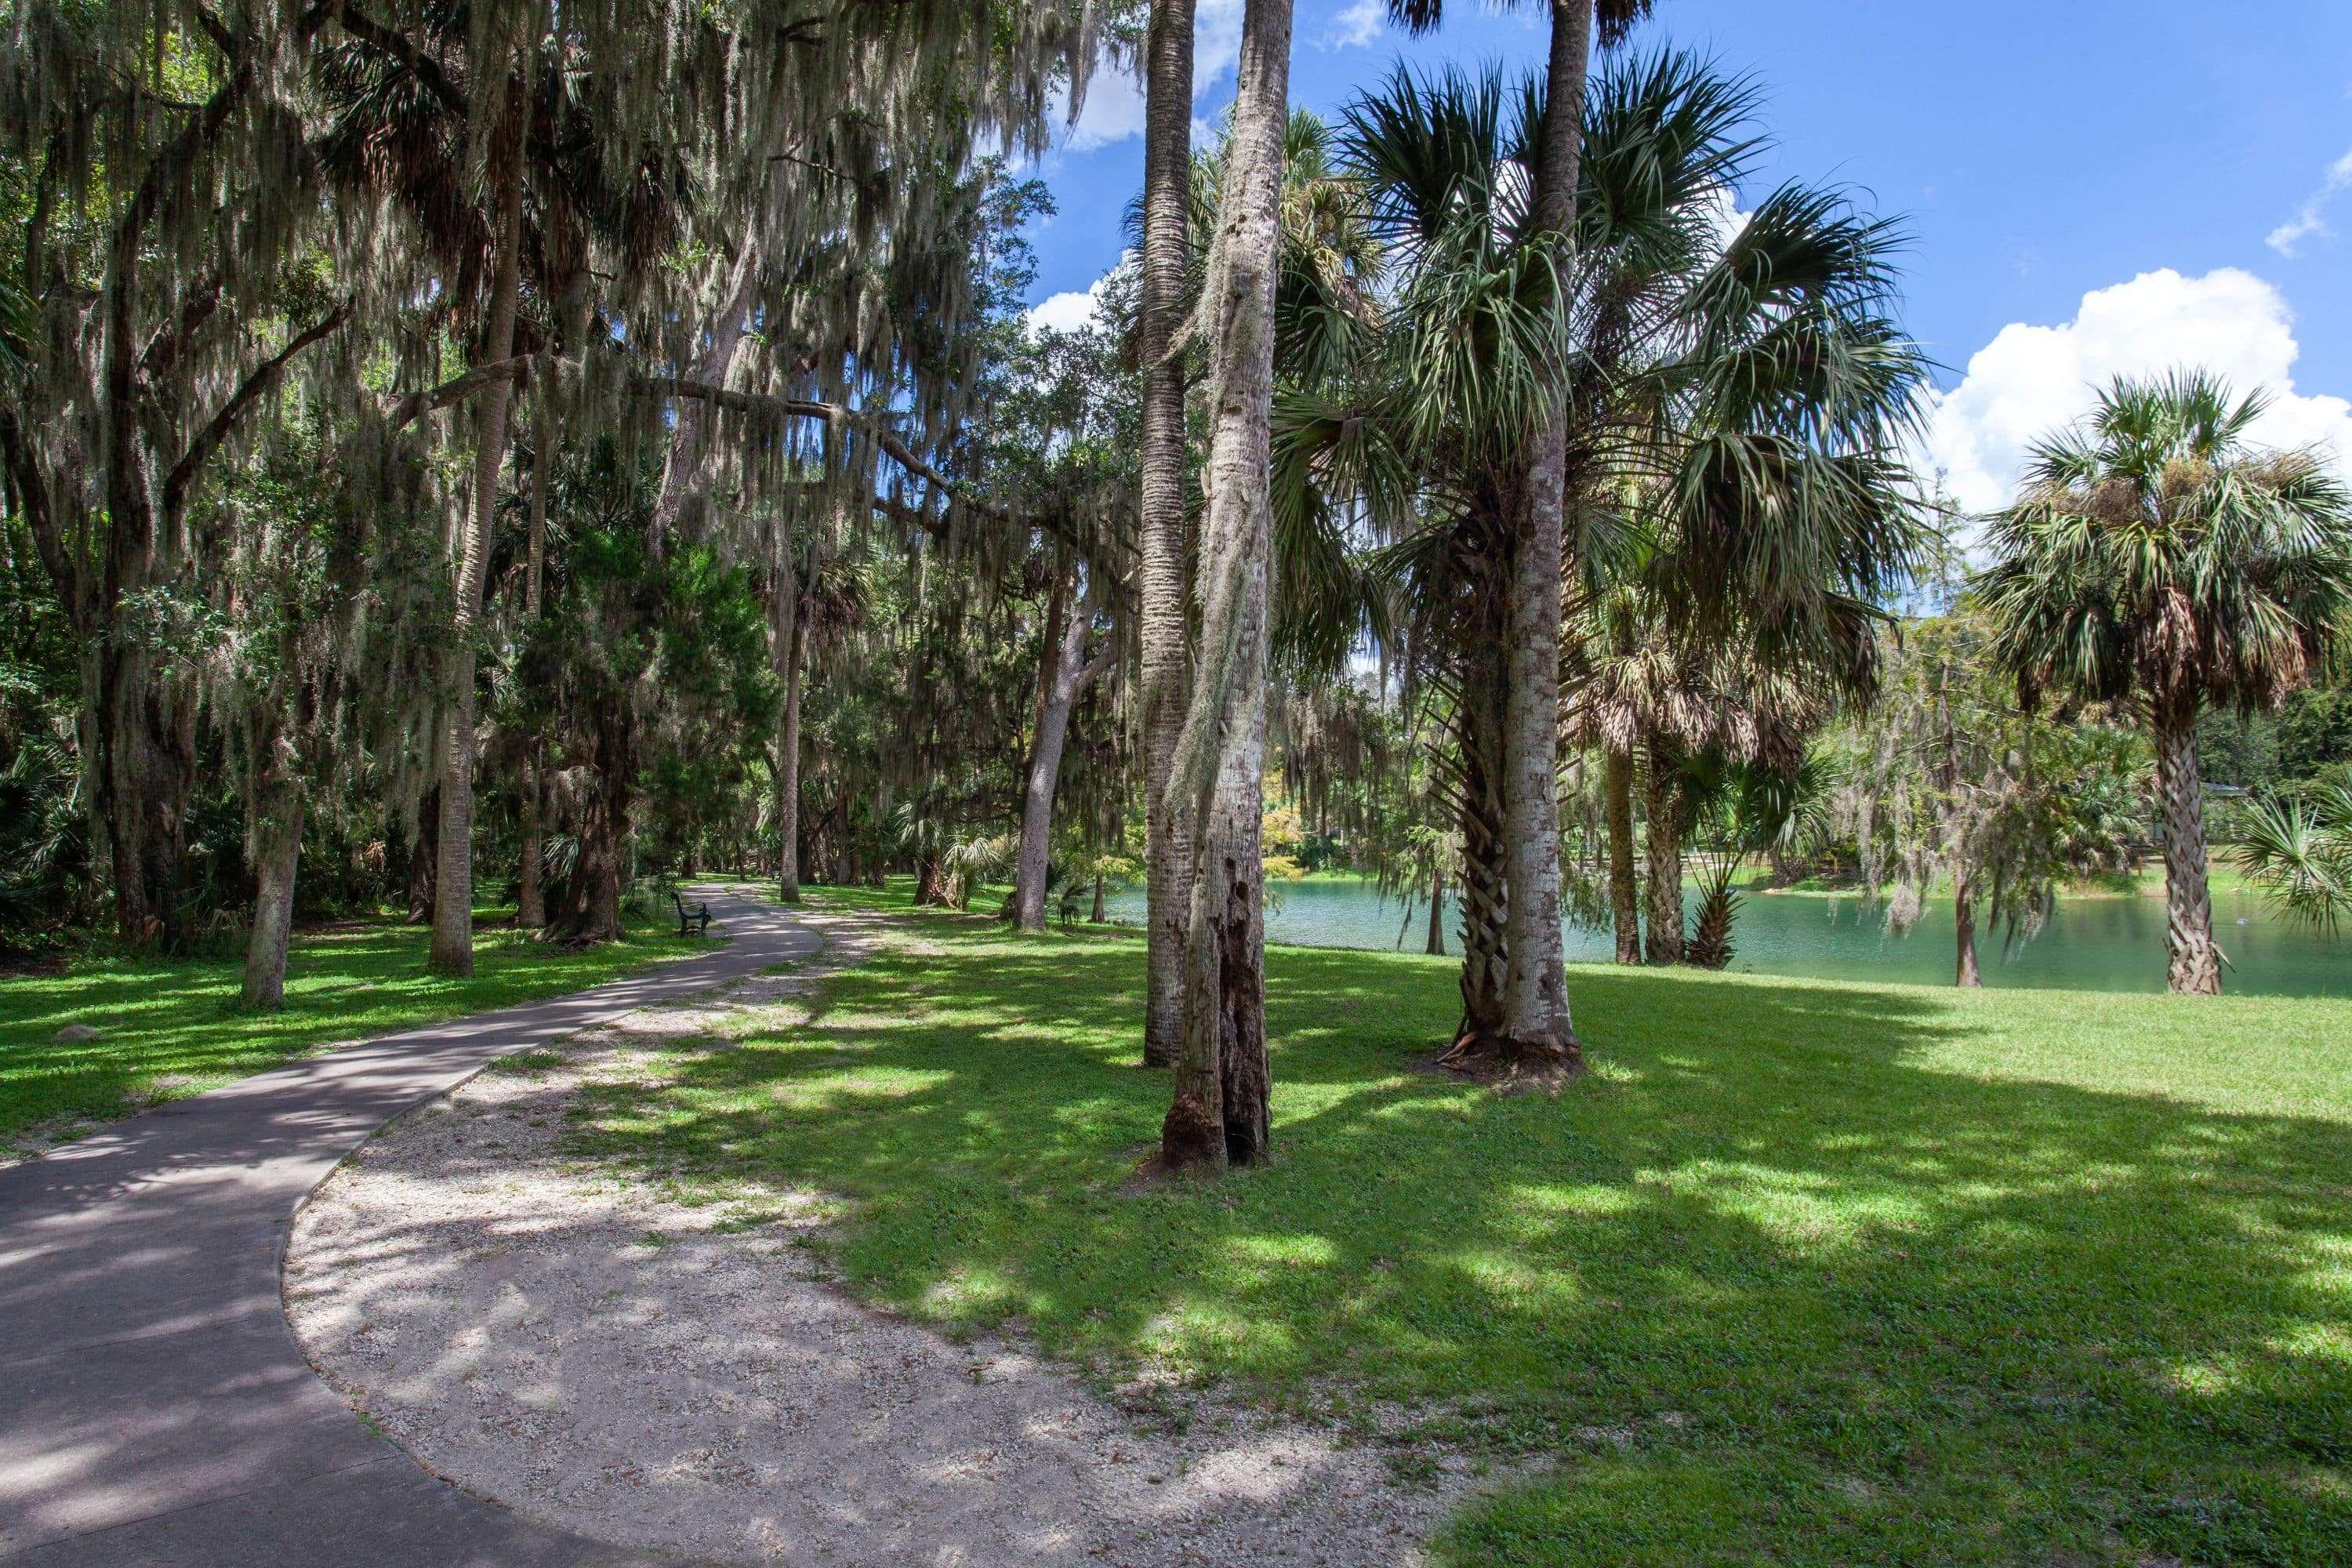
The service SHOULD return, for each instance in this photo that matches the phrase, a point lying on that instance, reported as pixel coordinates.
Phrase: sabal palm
(2156, 558)
(1734, 409)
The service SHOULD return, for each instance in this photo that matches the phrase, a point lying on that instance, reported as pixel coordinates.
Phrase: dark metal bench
(695, 921)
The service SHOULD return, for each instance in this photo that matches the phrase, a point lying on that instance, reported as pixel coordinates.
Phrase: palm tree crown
(2155, 555)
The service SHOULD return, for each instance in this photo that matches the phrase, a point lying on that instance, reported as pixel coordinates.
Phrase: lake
(2113, 943)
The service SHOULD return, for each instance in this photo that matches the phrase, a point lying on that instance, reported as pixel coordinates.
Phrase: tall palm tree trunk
(2193, 961)
(1222, 1110)
(1625, 894)
(1485, 893)
(1168, 846)
(453, 893)
(1663, 844)
(1536, 1014)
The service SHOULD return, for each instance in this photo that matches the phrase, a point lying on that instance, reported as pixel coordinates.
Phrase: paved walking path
(154, 1407)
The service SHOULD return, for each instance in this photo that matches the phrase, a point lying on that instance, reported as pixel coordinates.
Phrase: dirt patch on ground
(598, 1355)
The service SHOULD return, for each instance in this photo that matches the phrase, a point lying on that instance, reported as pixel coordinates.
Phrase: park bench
(695, 921)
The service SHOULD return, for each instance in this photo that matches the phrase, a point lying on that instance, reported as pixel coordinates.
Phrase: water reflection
(2090, 944)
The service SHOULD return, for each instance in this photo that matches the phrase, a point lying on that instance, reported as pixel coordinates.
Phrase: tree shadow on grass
(1874, 1307)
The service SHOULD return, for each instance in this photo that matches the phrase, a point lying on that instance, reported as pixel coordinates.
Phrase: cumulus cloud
(1072, 309)
(1356, 23)
(2029, 380)
(2310, 220)
(1113, 110)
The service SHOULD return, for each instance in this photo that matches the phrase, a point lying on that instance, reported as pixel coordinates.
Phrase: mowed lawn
(1806, 1273)
(170, 1029)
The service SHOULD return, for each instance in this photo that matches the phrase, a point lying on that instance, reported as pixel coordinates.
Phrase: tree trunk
(1485, 891)
(1624, 896)
(1665, 857)
(148, 755)
(1535, 1023)
(1168, 846)
(1030, 858)
(1435, 944)
(530, 896)
(1222, 1110)
(1063, 681)
(276, 841)
(1097, 918)
(595, 912)
(678, 505)
(789, 640)
(453, 906)
(1964, 927)
(2193, 962)
(424, 857)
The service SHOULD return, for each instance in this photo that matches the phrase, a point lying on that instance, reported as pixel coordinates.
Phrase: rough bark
(1624, 895)
(147, 760)
(1066, 674)
(1964, 929)
(787, 637)
(275, 835)
(1434, 944)
(1663, 845)
(424, 857)
(1221, 1113)
(2193, 961)
(1535, 1023)
(453, 906)
(1485, 893)
(530, 896)
(1167, 848)
(595, 911)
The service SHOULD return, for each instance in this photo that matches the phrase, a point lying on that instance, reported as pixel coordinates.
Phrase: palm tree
(1536, 1021)
(1160, 576)
(2154, 557)
(1734, 465)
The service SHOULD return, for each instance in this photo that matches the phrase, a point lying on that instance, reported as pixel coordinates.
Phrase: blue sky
(2092, 186)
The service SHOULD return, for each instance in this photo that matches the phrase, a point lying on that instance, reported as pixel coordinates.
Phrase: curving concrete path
(154, 1407)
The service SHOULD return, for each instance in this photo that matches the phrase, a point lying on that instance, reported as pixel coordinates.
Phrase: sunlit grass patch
(167, 1028)
(1804, 1273)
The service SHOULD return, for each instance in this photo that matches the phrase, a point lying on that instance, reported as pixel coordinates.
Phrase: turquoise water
(2090, 944)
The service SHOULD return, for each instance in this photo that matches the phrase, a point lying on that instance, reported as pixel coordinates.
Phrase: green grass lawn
(1806, 1273)
(167, 1028)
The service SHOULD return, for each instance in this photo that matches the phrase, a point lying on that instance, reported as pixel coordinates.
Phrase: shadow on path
(154, 1407)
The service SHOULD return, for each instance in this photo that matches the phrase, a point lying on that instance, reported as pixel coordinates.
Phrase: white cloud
(1113, 110)
(1724, 216)
(1069, 311)
(1356, 23)
(2031, 380)
(2310, 220)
